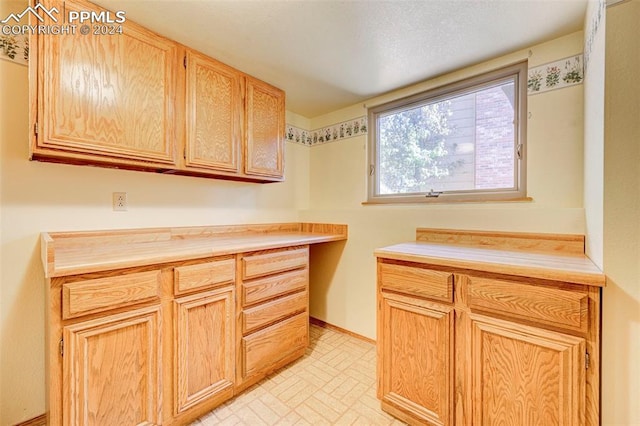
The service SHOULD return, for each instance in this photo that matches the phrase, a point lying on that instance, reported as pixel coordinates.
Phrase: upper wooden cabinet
(214, 114)
(140, 101)
(265, 129)
(106, 97)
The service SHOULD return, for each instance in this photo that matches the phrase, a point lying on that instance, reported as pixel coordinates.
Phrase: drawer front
(257, 265)
(270, 312)
(204, 275)
(101, 294)
(267, 288)
(417, 281)
(262, 349)
(548, 305)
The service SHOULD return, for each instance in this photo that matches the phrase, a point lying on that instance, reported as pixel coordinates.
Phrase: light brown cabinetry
(107, 98)
(204, 347)
(274, 304)
(416, 352)
(214, 114)
(160, 326)
(140, 101)
(462, 346)
(264, 148)
(112, 370)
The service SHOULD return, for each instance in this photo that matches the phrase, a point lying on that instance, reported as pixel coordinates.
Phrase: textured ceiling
(328, 54)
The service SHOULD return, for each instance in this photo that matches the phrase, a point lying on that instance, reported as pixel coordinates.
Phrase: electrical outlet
(119, 201)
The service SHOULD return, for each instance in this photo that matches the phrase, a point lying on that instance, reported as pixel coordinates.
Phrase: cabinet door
(525, 375)
(112, 370)
(107, 95)
(204, 347)
(416, 350)
(264, 150)
(214, 114)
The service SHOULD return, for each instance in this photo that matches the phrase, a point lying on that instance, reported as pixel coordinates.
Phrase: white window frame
(517, 193)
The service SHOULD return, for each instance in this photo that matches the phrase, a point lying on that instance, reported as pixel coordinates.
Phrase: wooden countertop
(577, 269)
(71, 253)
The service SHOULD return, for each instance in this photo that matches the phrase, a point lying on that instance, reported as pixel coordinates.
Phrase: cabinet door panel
(417, 351)
(214, 114)
(109, 95)
(111, 372)
(204, 347)
(265, 129)
(526, 375)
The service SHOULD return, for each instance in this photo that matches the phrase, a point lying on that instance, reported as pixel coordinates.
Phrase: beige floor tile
(333, 384)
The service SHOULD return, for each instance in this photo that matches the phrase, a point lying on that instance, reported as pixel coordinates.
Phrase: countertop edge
(302, 237)
(506, 268)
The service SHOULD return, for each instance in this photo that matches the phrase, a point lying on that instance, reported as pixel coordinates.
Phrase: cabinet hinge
(587, 360)
(61, 347)
(35, 127)
(184, 61)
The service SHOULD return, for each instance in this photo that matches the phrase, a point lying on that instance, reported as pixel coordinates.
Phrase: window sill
(439, 200)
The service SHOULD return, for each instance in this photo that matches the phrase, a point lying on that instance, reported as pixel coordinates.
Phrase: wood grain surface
(417, 356)
(70, 253)
(264, 149)
(204, 347)
(200, 276)
(261, 264)
(214, 114)
(109, 95)
(89, 296)
(565, 244)
(526, 376)
(418, 281)
(573, 269)
(108, 359)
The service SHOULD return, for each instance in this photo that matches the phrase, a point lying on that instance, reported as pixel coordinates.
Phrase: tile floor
(333, 384)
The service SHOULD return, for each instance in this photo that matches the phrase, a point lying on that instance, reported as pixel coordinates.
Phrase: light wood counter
(573, 269)
(71, 253)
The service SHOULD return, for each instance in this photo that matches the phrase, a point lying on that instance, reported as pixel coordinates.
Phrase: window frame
(518, 193)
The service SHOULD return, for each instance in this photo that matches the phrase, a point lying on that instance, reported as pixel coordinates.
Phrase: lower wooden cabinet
(112, 370)
(204, 347)
(274, 312)
(504, 350)
(416, 353)
(526, 375)
(165, 344)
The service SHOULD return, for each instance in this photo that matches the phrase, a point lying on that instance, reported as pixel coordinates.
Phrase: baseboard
(323, 324)
(41, 420)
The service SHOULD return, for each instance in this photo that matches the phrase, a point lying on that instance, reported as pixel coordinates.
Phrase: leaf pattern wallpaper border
(335, 132)
(556, 75)
(15, 49)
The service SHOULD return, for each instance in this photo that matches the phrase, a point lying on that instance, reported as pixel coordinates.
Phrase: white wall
(346, 297)
(621, 296)
(38, 197)
(594, 129)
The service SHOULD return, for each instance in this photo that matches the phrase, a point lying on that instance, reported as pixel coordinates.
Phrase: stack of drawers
(274, 313)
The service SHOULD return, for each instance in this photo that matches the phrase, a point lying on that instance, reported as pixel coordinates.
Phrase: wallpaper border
(335, 132)
(555, 75)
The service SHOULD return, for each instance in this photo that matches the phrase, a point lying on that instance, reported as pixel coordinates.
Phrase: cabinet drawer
(417, 281)
(204, 275)
(548, 305)
(101, 294)
(257, 265)
(275, 310)
(262, 349)
(273, 286)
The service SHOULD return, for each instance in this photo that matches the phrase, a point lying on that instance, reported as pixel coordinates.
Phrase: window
(463, 141)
